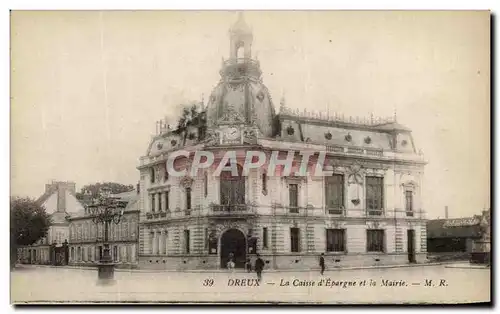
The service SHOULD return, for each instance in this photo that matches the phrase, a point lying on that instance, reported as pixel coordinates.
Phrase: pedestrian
(248, 265)
(259, 266)
(322, 263)
(230, 264)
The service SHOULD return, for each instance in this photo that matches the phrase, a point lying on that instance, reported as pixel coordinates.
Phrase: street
(420, 284)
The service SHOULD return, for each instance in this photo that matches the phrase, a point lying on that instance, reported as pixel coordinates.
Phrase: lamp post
(106, 210)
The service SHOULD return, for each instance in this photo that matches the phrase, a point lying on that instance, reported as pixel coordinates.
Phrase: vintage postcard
(326, 157)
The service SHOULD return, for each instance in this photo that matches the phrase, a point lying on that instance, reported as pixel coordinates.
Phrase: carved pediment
(230, 116)
(375, 224)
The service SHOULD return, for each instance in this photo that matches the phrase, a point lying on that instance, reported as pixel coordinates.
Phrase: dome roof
(241, 101)
(240, 97)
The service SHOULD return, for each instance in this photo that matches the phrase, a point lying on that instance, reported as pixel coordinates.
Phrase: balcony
(374, 212)
(231, 210)
(156, 215)
(336, 211)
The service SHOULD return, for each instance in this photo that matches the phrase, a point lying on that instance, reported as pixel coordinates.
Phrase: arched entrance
(233, 241)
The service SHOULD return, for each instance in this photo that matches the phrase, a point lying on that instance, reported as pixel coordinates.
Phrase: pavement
(449, 263)
(396, 285)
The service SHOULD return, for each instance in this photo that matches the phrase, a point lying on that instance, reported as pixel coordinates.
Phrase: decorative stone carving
(260, 96)
(186, 182)
(236, 87)
(355, 174)
(213, 137)
(290, 130)
(231, 116)
(159, 146)
(328, 135)
(375, 224)
(337, 224)
(348, 137)
(250, 134)
(368, 140)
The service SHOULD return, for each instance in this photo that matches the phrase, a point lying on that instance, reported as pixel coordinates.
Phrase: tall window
(206, 238)
(375, 240)
(264, 182)
(186, 242)
(374, 195)
(205, 184)
(153, 202)
(152, 242)
(295, 239)
(264, 238)
(152, 174)
(232, 188)
(293, 197)
(115, 253)
(167, 206)
(334, 194)
(188, 198)
(409, 202)
(335, 240)
(160, 201)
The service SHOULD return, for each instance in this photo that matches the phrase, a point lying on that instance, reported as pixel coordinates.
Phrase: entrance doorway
(411, 245)
(233, 241)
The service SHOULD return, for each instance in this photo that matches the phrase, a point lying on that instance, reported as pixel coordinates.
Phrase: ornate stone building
(368, 212)
(86, 238)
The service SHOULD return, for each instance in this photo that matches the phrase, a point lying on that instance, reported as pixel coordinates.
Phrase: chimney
(446, 212)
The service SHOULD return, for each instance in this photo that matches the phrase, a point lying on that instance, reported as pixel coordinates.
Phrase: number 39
(208, 282)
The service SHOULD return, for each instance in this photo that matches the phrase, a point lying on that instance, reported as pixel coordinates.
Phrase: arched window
(232, 188)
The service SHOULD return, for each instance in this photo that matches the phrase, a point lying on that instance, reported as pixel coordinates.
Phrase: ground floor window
(335, 240)
(375, 240)
(295, 239)
(187, 247)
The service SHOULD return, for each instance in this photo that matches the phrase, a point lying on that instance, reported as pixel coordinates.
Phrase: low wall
(288, 261)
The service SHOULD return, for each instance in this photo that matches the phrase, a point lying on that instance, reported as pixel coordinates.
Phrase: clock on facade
(232, 133)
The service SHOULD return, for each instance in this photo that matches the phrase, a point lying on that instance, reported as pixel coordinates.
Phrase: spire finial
(282, 101)
(240, 26)
(395, 115)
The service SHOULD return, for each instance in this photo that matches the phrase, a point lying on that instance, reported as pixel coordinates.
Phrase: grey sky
(88, 86)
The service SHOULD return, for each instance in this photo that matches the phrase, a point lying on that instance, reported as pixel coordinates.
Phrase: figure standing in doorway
(230, 263)
(259, 266)
(322, 263)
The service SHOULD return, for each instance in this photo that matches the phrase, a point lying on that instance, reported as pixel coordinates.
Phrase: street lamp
(106, 210)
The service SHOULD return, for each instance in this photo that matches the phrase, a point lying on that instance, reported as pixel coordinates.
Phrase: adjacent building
(86, 238)
(368, 212)
(59, 201)
(460, 237)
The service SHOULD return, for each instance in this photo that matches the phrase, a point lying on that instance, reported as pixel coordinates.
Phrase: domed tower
(240, 98)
